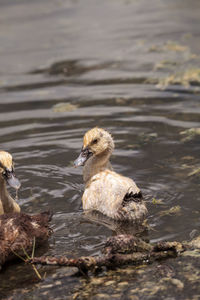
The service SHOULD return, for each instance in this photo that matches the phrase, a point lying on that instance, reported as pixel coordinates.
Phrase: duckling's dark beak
(83, 157)
(11, 179)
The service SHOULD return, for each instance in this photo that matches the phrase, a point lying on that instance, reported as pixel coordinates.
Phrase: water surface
(66, 66)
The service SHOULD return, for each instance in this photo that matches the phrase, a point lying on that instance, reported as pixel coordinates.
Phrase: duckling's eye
(94, 141)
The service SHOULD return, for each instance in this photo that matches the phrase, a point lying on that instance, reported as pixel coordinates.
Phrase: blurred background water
(129, 66)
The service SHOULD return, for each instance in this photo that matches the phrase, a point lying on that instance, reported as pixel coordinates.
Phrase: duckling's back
(114, 195)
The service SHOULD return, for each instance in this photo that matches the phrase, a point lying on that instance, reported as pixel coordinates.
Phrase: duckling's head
(7, 170)
(96, 142)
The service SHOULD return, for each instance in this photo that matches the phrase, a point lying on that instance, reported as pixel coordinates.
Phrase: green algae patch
(143, 139)
(121, 101)
(165, 64)
(157, 201)
(185, 78)
(190, 134)
(146, 138)
(188, 158)
(64, 107)
(175, 210)
(173, 46)
(169, 46)
(195, 171)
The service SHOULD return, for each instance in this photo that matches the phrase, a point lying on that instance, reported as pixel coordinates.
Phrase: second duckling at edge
(7, 175)
(106, 191)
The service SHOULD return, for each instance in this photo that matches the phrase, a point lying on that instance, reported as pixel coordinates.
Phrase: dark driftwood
(18, 231)
(118, 251)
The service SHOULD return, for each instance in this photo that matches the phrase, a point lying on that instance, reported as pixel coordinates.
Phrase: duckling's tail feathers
(130, 196)
(133, 208)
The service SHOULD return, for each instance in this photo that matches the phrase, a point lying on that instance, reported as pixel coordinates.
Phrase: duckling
(17, 229)
(7, 175)
(106, 191)
(17, 232)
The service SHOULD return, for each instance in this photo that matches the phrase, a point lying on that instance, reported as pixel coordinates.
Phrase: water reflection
(116, 227)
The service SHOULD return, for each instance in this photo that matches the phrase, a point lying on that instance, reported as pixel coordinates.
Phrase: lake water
(133, 68)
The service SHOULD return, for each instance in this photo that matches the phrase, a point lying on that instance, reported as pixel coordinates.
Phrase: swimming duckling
(7, 175)
(112, 194)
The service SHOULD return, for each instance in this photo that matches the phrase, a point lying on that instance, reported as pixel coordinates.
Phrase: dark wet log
(18, 231)
(118, 251)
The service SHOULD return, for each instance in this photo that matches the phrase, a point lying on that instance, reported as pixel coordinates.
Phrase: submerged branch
(118, 251)
(85, 263)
